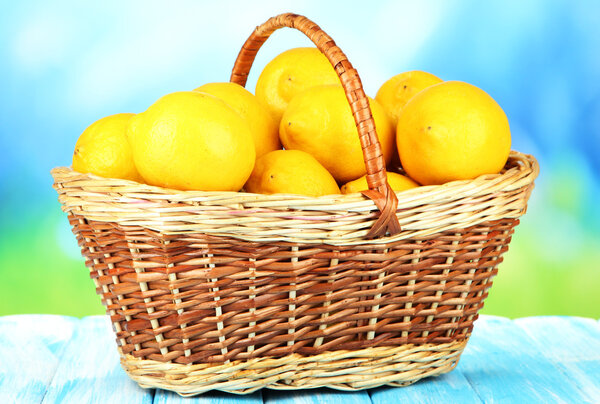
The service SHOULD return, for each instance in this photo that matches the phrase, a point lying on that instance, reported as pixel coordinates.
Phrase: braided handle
(379, 190)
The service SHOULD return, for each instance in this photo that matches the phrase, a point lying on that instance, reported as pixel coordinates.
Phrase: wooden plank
(449, 388)
(90, 372)
(544, 359)
(585, 374)
(503, 364)
(573, 345)
(564, 338)
(30, 351)
(211, 397)
(315, 396)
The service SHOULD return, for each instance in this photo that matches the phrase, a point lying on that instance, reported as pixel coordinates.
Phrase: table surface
(58, 359)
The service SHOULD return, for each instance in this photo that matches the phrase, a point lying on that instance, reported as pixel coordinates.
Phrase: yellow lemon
(452, 131)
(262, 125)
(190, 140)
(289, 74)
(398, 182)
(103, 149)
(290, 172)
(397, 91)
(319, 121)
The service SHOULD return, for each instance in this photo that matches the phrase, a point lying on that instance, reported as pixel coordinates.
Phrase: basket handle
(379, 190)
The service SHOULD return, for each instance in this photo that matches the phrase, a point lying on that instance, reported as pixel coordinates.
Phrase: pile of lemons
(297, 134)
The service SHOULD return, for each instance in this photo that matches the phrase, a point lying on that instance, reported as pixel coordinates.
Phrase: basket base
(340, 370)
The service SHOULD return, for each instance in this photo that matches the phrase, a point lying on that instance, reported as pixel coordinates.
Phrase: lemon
(452, 131)
(190, 140)
(290, 172)
(397, 91)
(319, 121)
(103, 149)
(398, 182)
(289, 74)
(265, 131)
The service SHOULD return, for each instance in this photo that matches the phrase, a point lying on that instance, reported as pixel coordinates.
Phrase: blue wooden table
(57, 359)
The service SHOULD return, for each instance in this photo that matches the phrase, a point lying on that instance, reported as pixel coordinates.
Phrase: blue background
(66, 64)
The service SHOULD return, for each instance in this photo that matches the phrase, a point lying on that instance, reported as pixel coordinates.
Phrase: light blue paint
(564, 338)
(573, 345)
(211, 397)
(585, 374)
(503, 364)
(315, 396)
(90, 372)
(449, 388)
(30, 351)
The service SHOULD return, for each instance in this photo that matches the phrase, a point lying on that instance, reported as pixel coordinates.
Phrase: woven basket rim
(335, 219)
(524, 162)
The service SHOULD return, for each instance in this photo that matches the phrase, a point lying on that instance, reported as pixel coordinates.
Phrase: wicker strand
(104, 288)
(319, 341)
(375, 309)
(252, 297)
(469, 282)
(218, 311)
(445, 273)
(134, 253)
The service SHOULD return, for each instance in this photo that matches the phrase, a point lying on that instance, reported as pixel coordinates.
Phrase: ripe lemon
(319, 121)
(290, 172)
(265, 131)
(190, 140)
(452, 131)
(103, 149)
(398, 182)
(397, 91)
(290, 73)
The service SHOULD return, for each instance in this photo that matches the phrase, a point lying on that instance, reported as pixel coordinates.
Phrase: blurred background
(66, 64)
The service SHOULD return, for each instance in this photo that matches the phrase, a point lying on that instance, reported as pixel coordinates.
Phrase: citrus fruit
(289, 74)
(290, 172)
(319, 121)
(191, 140)
(398, 182)
(452, 131)
(265, 131)
(397, 91)
(103, 149)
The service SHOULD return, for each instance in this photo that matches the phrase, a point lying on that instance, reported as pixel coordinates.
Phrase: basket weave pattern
(240, 300)
(237, 291)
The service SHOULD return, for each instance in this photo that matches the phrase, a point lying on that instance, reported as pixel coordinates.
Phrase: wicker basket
(236, 291)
